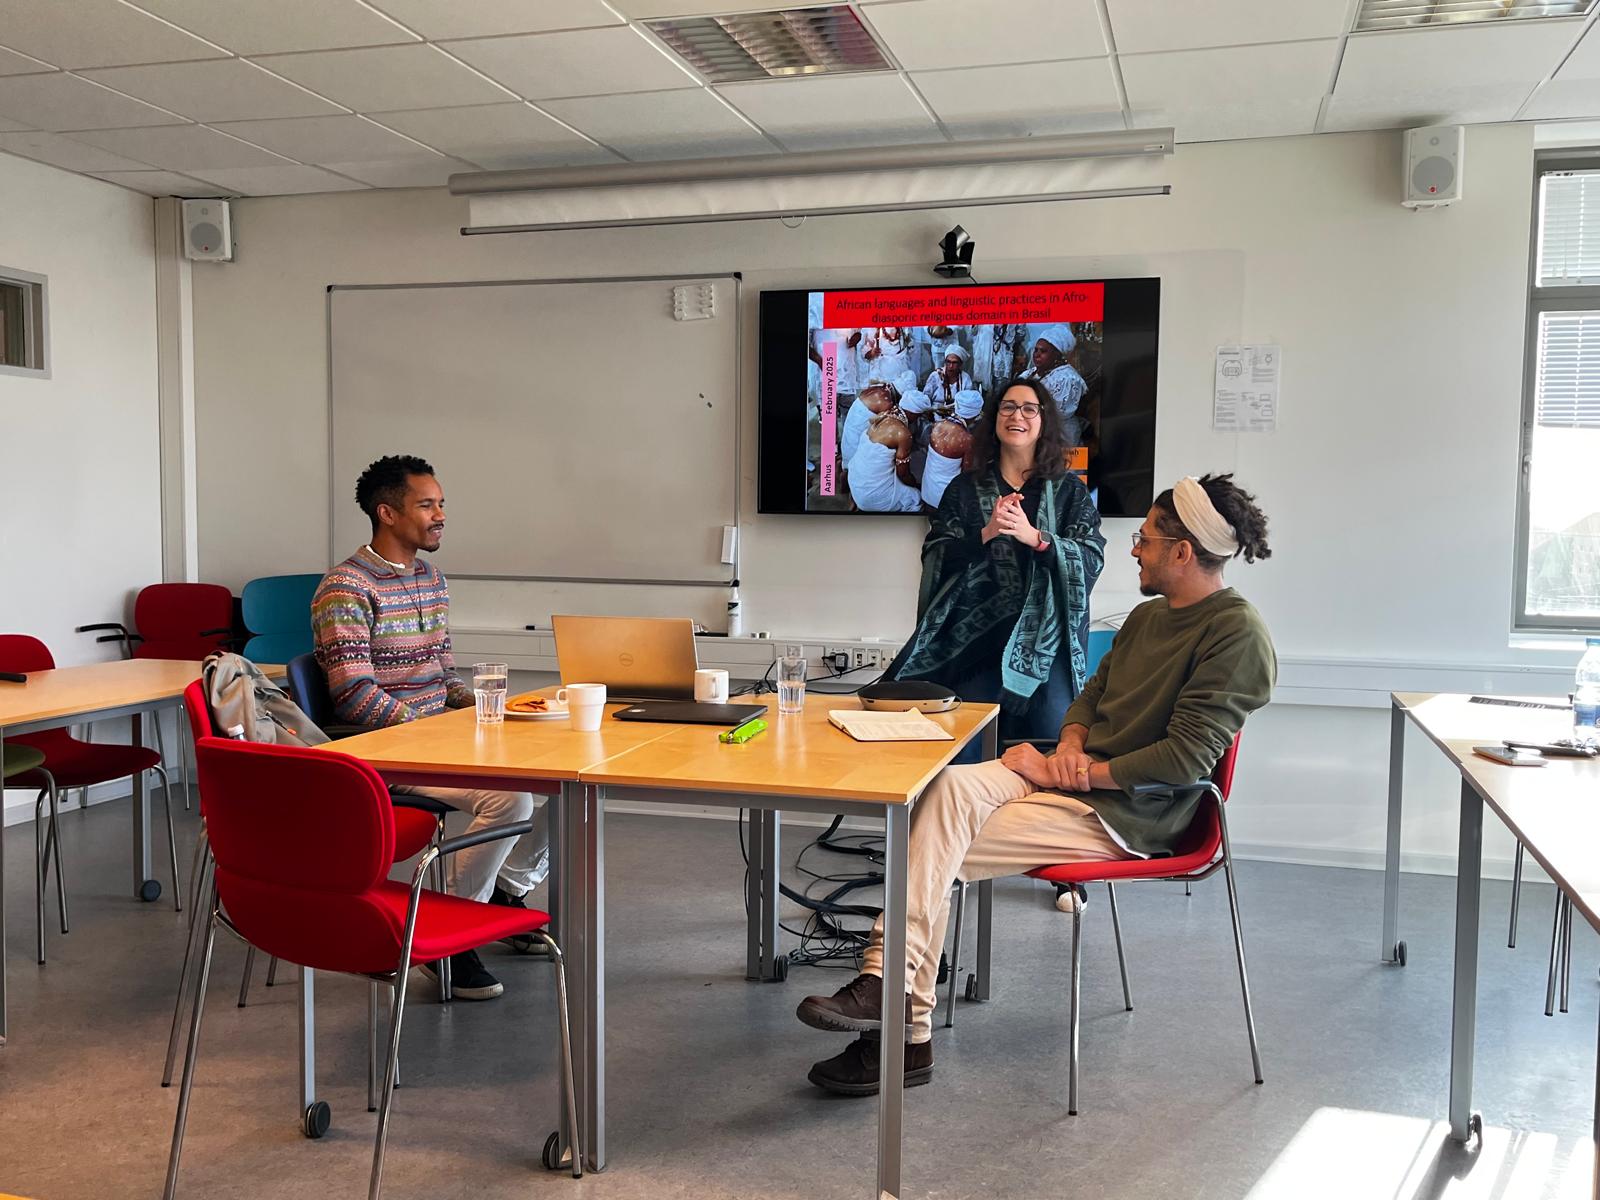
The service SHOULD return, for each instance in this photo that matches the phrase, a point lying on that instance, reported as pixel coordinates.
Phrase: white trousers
(978, 822)
(519, 864)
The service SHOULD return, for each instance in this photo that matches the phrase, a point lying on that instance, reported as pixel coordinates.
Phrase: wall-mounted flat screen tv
(837, 364)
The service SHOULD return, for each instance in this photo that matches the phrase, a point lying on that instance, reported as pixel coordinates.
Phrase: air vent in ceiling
(762, 45)
(1407, 14)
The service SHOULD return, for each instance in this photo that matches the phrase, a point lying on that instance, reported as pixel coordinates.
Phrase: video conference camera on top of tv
(957, 247)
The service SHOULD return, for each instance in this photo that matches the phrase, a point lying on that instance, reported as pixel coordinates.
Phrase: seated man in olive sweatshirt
(1185, 671)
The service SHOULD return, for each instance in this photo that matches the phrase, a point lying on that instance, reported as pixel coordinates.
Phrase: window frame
(36, 323)
(1559, 298)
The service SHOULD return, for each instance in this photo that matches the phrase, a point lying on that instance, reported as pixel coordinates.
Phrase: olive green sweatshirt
(1167, 701)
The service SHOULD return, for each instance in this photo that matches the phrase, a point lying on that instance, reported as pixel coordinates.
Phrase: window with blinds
(1558, 518)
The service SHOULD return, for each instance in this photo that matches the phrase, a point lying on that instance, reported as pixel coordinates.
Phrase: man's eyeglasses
(1030, 411)
(1139, 539)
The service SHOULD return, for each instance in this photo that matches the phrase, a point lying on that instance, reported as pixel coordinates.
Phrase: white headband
(1201, 518)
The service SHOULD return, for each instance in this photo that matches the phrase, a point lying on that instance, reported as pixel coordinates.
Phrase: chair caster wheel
(971, 992)
(1400, 953)
(552, 1156)
(316, 1119)
(1475, 1128)
(780, 970)
(150, 890)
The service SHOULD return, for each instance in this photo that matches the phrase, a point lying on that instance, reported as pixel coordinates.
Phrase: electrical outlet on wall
(863, 657)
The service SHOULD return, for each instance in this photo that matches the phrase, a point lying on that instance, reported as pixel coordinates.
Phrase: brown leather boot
(854, 1072)
(857, 1007)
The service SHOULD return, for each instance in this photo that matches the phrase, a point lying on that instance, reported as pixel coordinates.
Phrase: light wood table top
(93, 687)
(798, 755)
(453, 743)
(1554, 810)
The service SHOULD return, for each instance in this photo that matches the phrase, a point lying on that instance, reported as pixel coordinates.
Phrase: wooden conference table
(800, 763)
(1553, 810)
(94, 692)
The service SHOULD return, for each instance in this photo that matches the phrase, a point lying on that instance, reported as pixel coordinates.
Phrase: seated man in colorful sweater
(1170, 695)
(381, 620)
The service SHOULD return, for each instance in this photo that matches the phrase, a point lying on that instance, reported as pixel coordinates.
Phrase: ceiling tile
(160, 183)
(63, 152)
(432, 173)
(12, 63)
(1142, 25)
(254, 27)
(584, 62)
(660, 125)
(1584, 61)
(1402, 109)
(327, 139)
(1037, 99)
(1230, 122)
(67, 102)
(1565, 98)
(439, 19)
(94, 33)
(224, 89)
(1241, 76)
(831, 112)
(505, 135)
(684, 8)
(287, 180)
(930, 34)
(186, 148)
(1506, 52)
(387, 77)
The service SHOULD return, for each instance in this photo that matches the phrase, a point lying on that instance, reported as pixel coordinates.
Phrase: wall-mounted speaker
(1433, 162)
(207, 231)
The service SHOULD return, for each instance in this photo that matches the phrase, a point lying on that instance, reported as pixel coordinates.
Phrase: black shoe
(857, 1007)
(523, 943)
(854, 1071)
(469, 978)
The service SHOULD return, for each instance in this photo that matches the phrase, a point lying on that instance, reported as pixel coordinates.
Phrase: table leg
(1464, 1003)
(981, 977)
(142, 871)
(892, 1045)
(1594, 1133)
(1394, 950)
(770, 970)
(2, 904)
(583, 888)
(753, 877)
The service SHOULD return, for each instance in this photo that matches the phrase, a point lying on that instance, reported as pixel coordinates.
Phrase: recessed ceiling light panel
(765, 45)
(1408, 14)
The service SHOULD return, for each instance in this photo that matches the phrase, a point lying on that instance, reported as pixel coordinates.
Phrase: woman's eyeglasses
(1030, 411)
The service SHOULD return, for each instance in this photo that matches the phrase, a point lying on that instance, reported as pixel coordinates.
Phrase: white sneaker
(1072, 897)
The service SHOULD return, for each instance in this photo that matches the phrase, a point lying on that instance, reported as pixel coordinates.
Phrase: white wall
(80, 486)
(1390, 484)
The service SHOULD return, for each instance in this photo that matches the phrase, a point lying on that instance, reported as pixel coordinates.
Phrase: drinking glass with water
(489, 689)
(791, 684)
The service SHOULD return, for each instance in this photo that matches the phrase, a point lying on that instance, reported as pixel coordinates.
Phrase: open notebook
(909, 726)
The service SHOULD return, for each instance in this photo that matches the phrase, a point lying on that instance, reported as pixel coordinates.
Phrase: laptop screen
(649, 658)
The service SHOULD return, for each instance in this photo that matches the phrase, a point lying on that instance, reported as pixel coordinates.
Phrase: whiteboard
(578, 430)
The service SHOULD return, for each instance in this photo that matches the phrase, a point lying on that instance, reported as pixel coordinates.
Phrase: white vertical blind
(1569, 228)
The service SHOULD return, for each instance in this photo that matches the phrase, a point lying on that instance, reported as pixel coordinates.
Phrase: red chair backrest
(19, 652)
(170, 617)
(303, 840)
(1222, 773)
(199, 710)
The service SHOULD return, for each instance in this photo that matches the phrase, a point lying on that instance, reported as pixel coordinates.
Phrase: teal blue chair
(277, 612)
(1099, 643)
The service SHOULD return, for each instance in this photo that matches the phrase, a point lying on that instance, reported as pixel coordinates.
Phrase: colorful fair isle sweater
(383, 639)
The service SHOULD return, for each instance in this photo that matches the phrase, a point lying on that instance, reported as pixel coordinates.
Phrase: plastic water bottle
(735, 616)
(1586, 695)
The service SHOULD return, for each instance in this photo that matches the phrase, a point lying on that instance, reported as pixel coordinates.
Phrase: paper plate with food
(530, 706)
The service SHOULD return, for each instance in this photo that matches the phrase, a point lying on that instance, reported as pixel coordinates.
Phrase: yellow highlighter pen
(743, 733)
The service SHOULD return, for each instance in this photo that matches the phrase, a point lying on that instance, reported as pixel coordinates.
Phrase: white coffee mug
(586, 704)
(711, 686)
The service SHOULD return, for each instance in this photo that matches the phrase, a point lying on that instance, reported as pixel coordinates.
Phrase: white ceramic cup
(711, 686)
(586, 704)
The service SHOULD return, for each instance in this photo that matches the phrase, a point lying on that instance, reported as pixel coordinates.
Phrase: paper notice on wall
(1247, 385)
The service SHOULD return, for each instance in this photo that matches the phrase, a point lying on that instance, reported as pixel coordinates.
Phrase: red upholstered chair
(1204, 850)
(184, 621)
(303, 841)
(413, 830)
(73, 763)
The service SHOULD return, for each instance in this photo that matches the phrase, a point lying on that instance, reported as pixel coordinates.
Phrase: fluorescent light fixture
(1410, 14)
(763, 45)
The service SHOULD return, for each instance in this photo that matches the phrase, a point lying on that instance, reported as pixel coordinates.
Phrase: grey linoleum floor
(708, 1096)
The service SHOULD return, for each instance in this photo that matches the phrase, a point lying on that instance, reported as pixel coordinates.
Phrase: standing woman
(1007, 566)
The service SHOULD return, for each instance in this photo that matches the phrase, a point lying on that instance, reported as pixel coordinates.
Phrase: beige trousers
(978, 822)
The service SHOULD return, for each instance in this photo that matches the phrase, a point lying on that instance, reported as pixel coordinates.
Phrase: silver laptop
(637, 658)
